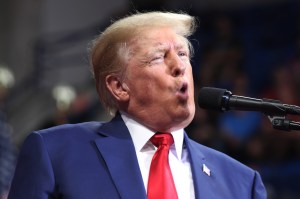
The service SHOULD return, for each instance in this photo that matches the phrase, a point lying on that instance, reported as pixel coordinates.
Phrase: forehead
(161, 37)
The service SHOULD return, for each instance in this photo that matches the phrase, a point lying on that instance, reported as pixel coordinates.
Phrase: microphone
(223, 100)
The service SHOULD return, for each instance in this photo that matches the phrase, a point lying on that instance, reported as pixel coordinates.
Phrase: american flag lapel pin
(206, 170)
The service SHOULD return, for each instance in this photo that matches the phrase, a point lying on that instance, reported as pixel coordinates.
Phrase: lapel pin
(206, 170)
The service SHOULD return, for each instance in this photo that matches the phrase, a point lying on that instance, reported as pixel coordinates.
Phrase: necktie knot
(160, 139)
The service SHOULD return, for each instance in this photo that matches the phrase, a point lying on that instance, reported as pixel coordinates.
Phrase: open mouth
(183, 91)
(183, 88)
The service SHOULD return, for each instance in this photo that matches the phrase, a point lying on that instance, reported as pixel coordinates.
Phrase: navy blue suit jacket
(98, 161)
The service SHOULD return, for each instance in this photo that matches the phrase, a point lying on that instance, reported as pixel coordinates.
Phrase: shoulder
(227, 172)
(64, 135)
(60, 141)
(70, 129)
(219, 159)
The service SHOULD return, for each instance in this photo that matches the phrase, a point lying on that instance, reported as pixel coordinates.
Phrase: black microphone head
(212, 98)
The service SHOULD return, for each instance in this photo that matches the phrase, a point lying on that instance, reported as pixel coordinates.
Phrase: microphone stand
(281, 123)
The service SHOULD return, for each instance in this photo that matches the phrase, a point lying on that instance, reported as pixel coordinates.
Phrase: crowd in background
(247, 53)
(249, 136)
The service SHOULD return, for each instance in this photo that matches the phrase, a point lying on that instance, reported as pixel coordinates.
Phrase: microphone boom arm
(281, 123)
(273, 109)
(223, 100)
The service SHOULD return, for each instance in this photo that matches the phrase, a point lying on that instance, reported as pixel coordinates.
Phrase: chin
(189, 112)
(184, 119)
(188, 120)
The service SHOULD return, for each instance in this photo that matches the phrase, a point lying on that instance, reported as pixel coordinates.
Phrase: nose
(177, 66)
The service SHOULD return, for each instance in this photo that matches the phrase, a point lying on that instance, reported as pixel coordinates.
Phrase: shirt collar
(141, 135)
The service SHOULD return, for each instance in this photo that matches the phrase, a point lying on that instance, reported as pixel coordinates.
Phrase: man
(143, 75)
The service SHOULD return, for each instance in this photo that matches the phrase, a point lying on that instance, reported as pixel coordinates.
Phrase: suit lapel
(117, 149)
(202, 170)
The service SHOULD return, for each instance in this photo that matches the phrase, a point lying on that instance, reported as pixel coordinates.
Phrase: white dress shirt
(178, 157)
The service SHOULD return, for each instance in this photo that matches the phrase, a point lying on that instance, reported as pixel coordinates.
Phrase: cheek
(153, 86)
(142, 84)
(151, 80)
(190, 77)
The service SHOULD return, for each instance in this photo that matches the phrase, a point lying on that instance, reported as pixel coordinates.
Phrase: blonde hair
(109, 51)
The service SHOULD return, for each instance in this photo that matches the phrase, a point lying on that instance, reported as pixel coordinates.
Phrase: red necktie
(160, 183)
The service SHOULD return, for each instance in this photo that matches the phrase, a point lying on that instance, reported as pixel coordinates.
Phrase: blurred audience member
(222, 59)
(7, 155)
(238, 126)
(72, 106)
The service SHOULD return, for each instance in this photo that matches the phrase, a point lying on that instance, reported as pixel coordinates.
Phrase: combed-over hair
(109, 51)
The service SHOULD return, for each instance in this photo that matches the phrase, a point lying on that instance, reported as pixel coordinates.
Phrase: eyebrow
(161, 47)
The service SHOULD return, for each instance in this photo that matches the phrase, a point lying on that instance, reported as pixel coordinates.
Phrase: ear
(118, 89)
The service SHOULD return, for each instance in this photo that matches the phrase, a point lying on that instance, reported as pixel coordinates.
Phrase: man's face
(160, 82)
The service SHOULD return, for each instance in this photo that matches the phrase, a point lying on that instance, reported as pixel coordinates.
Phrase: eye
(157, 58)
(182, 54)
